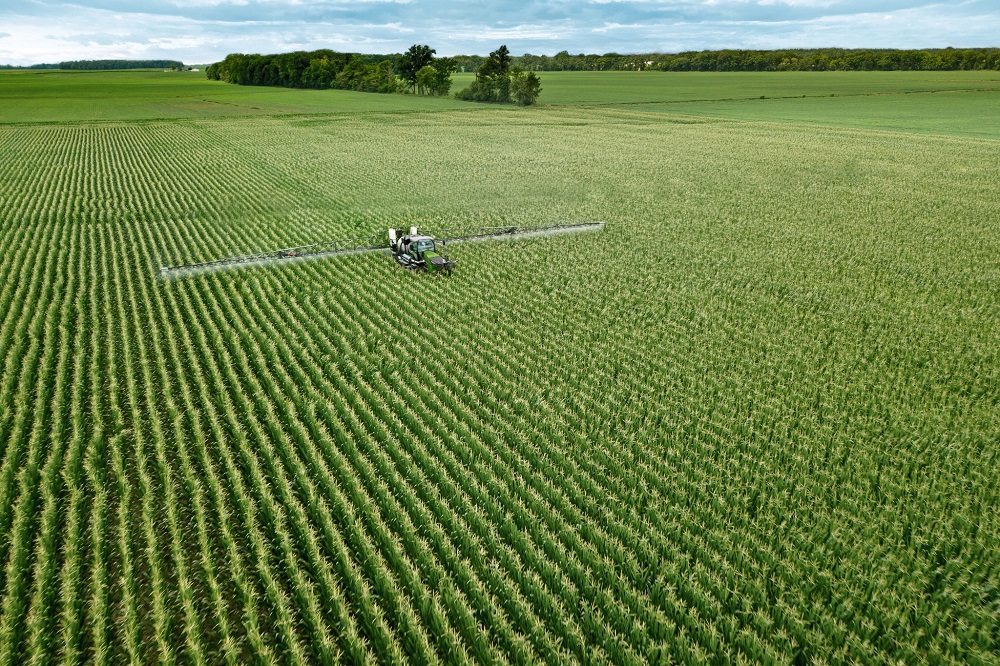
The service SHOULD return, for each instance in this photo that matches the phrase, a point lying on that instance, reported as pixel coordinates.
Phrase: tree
(502, 58)
(363, 77)
(435, 78)
(443, 68)
(524, 87)
(496, 81)
(320, 73)
(496, 66)
(411, 62)
(425, 80)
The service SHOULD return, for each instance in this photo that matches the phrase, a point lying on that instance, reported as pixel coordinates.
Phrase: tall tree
(425, 80)
(416, 58)
(502, 58)
(524, 87)
(496, 66)
(443, 68)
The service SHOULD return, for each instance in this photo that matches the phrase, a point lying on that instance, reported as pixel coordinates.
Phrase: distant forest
(731, 60)
(40, 66)
(105, 64)
(121, 64)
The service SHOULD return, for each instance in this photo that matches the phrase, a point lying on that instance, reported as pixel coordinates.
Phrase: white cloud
(537, 32)
(798, 3)
(189, 4)
(609, 27)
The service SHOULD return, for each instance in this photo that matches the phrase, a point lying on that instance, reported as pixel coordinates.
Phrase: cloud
(509, 33)
(198, 31)
(825, 4)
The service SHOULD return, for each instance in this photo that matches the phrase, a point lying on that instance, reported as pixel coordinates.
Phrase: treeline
(121, 64)
(733, 60)
(103, 65)
(416, 71)
(52, 65)
(308, 69)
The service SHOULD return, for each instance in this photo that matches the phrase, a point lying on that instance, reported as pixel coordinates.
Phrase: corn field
(756, 420)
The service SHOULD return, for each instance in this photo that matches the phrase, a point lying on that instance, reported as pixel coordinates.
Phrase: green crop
(754, 420)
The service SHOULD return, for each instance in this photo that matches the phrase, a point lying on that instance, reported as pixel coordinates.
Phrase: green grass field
(755, 420)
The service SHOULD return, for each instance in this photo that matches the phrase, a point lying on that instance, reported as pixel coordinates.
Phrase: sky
(204, 31)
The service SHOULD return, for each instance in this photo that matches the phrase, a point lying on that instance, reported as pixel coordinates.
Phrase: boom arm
(375, 243)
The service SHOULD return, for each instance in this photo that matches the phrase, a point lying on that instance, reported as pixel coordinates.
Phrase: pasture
(755, 420)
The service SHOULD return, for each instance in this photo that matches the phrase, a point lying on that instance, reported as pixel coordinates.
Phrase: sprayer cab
(418, 251)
